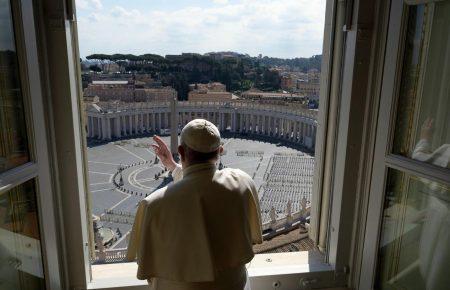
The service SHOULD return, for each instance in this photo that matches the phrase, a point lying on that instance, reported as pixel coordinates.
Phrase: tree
(95, 68)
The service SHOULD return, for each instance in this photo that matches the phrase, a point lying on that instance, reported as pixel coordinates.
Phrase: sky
(276, 28)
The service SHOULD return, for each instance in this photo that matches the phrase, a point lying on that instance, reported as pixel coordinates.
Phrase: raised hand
(163, 153)
(426, 131)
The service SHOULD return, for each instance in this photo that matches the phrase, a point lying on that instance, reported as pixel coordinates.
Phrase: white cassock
(198, 232)
(434, 250)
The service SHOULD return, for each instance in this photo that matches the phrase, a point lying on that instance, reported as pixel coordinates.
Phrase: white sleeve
(177, 173)
(422, 151)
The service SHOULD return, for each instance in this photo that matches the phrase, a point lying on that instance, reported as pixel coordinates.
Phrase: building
(110, 67)
(287, 82)
(206, 96)
(271, 97)
(310, 89)
(210, 87)
(210, 92)
(112, 120)
(127, 91)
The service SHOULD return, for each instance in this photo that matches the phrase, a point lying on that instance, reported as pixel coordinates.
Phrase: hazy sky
(278, 28)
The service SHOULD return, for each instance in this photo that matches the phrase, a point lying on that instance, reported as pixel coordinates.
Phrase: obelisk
(173, 125)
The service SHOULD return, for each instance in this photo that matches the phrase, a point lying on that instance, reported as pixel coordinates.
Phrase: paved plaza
(121, 173)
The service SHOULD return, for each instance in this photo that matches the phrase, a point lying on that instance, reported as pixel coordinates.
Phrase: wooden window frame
(384, 159)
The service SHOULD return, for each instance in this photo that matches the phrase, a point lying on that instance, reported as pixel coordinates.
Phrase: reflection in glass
(422, 128)
(415, 238)
(20, 249)
(13, 135)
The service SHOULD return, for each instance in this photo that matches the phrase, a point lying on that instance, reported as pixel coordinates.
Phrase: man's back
(198, 227)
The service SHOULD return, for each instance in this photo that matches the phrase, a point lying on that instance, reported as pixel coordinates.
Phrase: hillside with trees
(239, 73)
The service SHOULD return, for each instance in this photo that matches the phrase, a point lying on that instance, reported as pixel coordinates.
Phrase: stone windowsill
(123, 275)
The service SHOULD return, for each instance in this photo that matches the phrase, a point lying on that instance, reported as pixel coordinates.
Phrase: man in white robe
(197, 233)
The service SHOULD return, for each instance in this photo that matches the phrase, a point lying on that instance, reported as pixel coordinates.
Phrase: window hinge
(343, 272)
(348, 15)
(70, 10)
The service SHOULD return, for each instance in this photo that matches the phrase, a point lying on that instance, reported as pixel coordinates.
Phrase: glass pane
(20, 248)
(415, 245)
(13, 134)
(422, 129)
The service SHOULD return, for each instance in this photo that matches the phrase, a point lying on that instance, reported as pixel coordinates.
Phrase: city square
(123, 172)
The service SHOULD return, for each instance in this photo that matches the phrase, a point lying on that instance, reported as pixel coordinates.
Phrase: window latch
(307, 283)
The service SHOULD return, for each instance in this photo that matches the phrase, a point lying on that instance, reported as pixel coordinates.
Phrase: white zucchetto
(201, 135)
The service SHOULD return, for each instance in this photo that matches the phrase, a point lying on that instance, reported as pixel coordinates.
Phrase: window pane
(415, 245)
(422, 129)
(13, 135)
(20, 248)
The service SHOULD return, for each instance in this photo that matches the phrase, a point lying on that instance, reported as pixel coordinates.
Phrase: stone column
(122, 129)
(233, 122)
(99, 128)
(280, 128)
(277, 126)
(136, 123)
(89, 129)
(294, 134)
(128, 124)
(117, 127)
(260, 121)
(247, 122)
(288, 129)
(124, 125)
(222, 122)
(108, 128)
(154, 122)
(137, 130)
(273, 126)
(92, 127)
(103, 126)
(159, 122)
(302, 132)
(241, 123)
(265, 124)
(173, 126)
(166, 120)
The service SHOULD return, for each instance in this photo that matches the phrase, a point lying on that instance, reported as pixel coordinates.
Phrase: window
(266, 108)
(26, 202)
(412, 172)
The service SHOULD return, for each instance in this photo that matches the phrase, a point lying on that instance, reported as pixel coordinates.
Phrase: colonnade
(293, 126)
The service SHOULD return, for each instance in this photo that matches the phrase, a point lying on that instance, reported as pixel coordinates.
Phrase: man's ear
(220, 150)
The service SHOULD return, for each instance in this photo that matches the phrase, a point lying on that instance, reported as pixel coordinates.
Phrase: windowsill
(123, 275)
